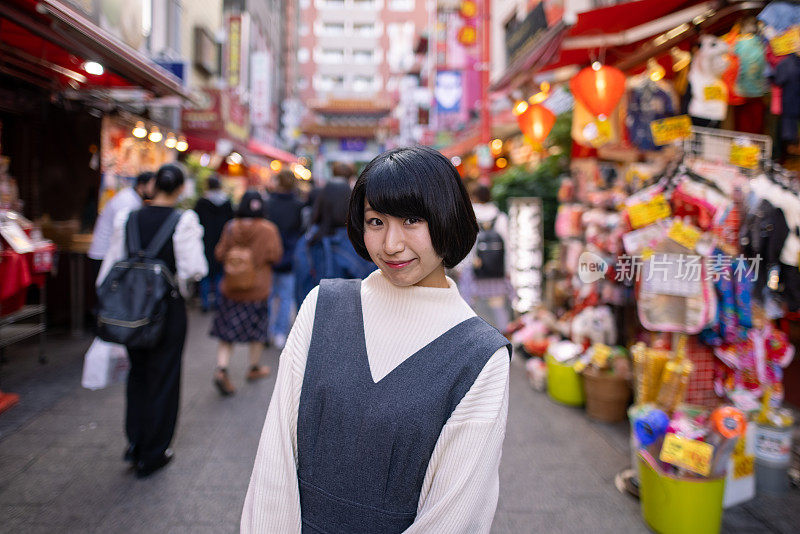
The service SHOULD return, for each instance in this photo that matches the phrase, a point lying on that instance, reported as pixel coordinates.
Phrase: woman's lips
(397, 264)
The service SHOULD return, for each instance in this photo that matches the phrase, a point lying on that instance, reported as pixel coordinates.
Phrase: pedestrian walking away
(249, 246)
(153, 391)
(389, 409)
(285, 210)
(214, 210)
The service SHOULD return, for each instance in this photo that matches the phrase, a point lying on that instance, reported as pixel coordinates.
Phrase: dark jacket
(213, 218)
(285, 210)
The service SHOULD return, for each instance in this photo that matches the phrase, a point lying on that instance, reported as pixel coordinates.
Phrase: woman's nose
(393, 240)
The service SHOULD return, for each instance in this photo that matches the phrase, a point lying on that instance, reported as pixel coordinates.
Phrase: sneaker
(258, 371)
(223, 383)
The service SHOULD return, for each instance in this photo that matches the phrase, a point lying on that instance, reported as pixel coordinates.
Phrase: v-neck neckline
(362, 340)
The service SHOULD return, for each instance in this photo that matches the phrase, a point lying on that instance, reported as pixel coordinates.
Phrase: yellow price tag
(689, 454)
(745, 156)
(786, 43)
(714, 92)
(743, 465)
(684, 234)
(665, 131)
(579, 366)
(600, 354)
(649, 212)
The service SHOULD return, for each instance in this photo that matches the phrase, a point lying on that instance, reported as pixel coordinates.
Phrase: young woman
(153, 393)
(389, 410)
(242, 311)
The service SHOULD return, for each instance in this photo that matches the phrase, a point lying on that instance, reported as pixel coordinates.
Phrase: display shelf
(14, 333)
(25, 312)
(28, 321)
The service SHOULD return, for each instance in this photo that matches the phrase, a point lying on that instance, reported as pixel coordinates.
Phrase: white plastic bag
(105, 364)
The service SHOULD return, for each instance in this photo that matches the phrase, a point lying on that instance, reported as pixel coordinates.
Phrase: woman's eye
(374, 222)
(413, 220)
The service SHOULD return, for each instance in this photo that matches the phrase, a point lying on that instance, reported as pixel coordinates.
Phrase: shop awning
(49, 36)
(207, 142)
(543, 52)
(271, 152)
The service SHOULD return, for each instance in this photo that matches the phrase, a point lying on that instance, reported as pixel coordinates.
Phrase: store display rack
(27, 322)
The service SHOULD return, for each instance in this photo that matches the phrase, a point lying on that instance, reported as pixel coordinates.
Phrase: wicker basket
(607, 396)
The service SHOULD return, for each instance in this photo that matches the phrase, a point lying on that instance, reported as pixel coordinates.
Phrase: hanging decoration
(599, 88)
(535, 121)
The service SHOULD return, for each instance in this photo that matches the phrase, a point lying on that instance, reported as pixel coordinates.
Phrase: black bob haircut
(169, 178)
(416, 181)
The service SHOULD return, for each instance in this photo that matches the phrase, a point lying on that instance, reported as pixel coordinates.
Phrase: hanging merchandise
(648, 101)
(709, 95)
(599, 88)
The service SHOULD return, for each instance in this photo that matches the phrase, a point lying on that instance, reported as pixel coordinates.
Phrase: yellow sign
(745, 156)
(689, 454)
(743, 465)
(786, 43)
(713, 92)
(649, 212)
(665, 131)
(684, 234)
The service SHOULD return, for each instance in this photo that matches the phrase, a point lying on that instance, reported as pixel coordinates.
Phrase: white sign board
(526, 242)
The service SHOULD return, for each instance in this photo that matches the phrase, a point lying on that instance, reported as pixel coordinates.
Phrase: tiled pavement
(61, 467)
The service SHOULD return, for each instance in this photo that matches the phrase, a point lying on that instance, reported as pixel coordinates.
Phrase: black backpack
(133, 298)
(490, 253)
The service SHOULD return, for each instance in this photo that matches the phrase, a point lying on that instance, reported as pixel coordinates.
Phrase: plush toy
(709, 93)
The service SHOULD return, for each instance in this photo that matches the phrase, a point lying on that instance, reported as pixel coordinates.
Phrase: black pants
(154, 389)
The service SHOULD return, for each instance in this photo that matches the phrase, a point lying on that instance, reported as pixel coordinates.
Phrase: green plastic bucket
(564, 385)
(673, 505)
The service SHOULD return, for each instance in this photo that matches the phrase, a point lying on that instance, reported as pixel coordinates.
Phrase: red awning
(271, 152)
(46, 42)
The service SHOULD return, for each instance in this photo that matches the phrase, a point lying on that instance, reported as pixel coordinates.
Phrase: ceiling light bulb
(181, 145)
(139, 130)
(155, 135)
(93, 67)
(170, 141)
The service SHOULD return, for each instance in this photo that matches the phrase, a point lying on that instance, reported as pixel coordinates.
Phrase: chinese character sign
(526, 247)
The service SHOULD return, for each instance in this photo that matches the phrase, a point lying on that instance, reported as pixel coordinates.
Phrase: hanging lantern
(535, 121)
(467, 35)
(599, 88)
(468, 9)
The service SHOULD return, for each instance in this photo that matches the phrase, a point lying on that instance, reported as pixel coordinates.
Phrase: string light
(139, 131)
(155, 135)
(181, 145)
(170, 141)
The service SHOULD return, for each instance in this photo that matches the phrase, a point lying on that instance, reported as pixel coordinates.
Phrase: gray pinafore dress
(364, 446)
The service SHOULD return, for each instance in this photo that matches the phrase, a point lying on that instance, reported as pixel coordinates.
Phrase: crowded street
(61, 468)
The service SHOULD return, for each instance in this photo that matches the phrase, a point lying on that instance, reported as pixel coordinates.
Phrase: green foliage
(542, 180)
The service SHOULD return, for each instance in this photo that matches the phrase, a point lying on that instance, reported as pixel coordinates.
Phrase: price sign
(684, 234)
(689, 454)
(745, 156)
(649, 212)
(713, 92)
(743, 465)
(666, 131)
(786, 43)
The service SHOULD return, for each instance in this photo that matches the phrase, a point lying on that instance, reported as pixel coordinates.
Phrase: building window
(365, 4)
(302, 83)
(305, 4)
(402, 5)
(303, 30)
(303, 55)
(332, 4)
(363, 83)
(329, 82)
(366, 29)
(333, 28)
(333, 55)
(363, 56)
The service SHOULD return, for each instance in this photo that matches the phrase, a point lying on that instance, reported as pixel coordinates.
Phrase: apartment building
(351, 58)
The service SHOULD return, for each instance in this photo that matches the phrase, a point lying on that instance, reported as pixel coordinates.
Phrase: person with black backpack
(154, 251)
(483, 274)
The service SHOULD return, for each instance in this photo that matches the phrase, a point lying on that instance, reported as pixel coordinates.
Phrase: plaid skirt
(241, 322)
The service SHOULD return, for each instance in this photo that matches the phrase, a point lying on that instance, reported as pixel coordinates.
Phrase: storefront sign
(526, 252)
(523, 35)
(449, 91)
(234, 50)
(786, 43)
(260, 94)
(646, 213)
(745, 155)
(205, 114)
(671, 129)
(687, 453)
(350, 144)
(236, 116)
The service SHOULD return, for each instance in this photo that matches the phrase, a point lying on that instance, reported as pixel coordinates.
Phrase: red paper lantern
(599, 88)
(468, 9)
(467, 35)
(535, 121)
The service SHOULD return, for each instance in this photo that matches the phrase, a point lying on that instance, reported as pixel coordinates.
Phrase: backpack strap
(132, 238)
(163, 234)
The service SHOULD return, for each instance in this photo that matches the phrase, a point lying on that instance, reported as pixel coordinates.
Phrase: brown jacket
(262, 237)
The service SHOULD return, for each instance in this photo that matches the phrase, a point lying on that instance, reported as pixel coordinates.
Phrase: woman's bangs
(395, 191)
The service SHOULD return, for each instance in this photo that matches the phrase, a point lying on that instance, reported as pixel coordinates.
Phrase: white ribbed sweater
(459, 493)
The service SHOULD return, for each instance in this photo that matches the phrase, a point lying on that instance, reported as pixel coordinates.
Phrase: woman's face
(402, 249)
